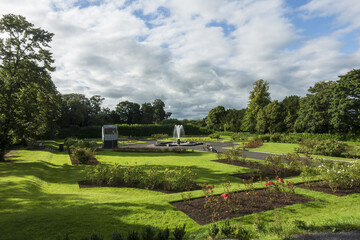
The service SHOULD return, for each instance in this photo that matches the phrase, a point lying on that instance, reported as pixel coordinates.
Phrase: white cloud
(169, 51)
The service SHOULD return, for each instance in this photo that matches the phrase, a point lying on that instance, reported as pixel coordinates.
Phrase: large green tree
(29, 101)
(313, 114)
(258, 99)
(129, 112)
(147, 113)
(291, 105)
(214, 119)
(159, 111)
(345, 107)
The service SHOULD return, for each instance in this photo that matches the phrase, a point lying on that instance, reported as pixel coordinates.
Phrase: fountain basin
(174, 144)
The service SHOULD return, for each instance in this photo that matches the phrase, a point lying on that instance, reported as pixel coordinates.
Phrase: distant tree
(29, 102)
(275, 117)
(345, 108)
(159, 111)
(313, 114)
(147, 113)
(214, 119)
(258, 99)
(261, 122)
(232, 120)
(129, 112)
(95, 104)
(75, 110)
(291, 105)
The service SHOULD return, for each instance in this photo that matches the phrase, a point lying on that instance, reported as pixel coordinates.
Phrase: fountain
(177, 133)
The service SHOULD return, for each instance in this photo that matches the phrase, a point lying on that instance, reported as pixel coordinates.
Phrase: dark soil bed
(261, 202)
(256, 175)
(87, 184)
(323, 187)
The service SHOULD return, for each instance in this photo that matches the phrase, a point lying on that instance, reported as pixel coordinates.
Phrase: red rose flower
(270, 183)
(281, 180)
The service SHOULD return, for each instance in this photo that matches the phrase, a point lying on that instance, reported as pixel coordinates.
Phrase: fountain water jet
(178, 132)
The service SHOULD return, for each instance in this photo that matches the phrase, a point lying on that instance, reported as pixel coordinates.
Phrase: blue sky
(195, 54)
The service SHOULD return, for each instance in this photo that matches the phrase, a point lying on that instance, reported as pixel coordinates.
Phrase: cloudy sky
(195, 54)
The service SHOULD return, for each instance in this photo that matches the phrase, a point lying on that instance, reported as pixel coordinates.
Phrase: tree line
(78, 110)
(328, 107)
(31, 106)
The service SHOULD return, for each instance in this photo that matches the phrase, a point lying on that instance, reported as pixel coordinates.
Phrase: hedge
(135, 130)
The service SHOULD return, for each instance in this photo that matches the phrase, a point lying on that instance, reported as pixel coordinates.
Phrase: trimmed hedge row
(136, 130)
(298, 137)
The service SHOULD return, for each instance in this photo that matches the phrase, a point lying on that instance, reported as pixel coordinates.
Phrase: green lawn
(285, 148)
(40, 198)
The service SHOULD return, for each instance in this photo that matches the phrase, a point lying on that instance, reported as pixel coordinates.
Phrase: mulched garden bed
(261, 202)
(324, 187)
(256, 176)
(88, 184)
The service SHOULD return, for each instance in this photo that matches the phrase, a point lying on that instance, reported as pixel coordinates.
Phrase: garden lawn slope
(40, 198)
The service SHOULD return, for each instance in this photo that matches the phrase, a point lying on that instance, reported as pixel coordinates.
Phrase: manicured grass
(40, 198)
(285, 148)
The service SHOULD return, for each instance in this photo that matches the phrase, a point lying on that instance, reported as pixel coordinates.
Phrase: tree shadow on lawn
(50, 220)
(43, 170)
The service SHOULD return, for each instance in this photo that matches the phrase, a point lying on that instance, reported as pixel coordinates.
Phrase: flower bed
(324, 187)
(261, 201)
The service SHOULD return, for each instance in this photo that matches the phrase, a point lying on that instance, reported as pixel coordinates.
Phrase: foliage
(214, 118)
(29, 101)
(254, 144)
(327, 147)
(345, 107)
(178, 179)
(179, 232)
(213, 231)
(159, 112)
(258, 99)
(231, 155)
(214, 136)
(82, 155)
(130, 130)
(340, 174)
(314, 114)
(159, 135)
(128, 112)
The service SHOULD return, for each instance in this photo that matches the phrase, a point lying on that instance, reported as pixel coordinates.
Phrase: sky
(195, 54)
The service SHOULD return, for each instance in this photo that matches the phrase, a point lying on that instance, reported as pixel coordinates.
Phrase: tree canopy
(29, 101)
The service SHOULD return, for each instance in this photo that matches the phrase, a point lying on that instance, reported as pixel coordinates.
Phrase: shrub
(340, 174)
(83, 155)
(263, 138)
(133, 235)
(179, 232)
(213, 231)
(330, 148)
(96, 174)
(148, 233)
(254, 144)
(153, 178)
(214, 136)
(69, 142)
(159, 136)
(276, 137)
(163, 234)
(231, 155)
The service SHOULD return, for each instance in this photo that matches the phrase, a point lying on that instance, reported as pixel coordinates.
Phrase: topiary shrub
(82, 155)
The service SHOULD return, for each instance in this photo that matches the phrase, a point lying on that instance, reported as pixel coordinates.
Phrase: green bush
(330, 148)
(159, 136)
(276, 137)
(214, 136)
(340, 174)
(83, 155)
(97, 174)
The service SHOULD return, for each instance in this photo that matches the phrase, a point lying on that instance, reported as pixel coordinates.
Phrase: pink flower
(266, 184)
(256, 193)
(209, 199)
(225, 196)
(270, 183)
(212, 191)
(281, 180)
